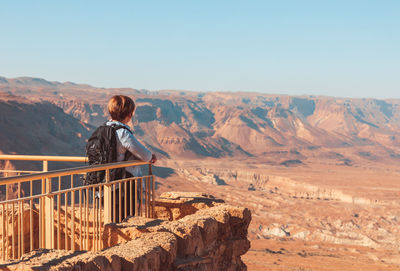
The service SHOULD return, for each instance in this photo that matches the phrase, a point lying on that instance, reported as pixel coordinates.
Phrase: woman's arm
(129, 142)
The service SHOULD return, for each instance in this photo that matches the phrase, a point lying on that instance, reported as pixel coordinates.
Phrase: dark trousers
(124, 202)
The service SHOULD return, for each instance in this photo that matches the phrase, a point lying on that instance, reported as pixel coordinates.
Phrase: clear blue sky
(337, 48)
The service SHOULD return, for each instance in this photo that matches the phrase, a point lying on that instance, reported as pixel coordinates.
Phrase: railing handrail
(43, 158)
(69, 171)
(62, 191)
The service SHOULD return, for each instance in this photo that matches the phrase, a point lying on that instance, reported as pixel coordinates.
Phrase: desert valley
(319, 174)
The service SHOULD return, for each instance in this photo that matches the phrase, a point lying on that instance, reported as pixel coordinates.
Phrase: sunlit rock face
(206, 235)
(39, 127)
(195, 124)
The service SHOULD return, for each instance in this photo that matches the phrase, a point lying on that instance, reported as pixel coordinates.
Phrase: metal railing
(52, 209)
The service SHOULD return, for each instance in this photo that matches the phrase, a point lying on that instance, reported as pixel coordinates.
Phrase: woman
(121, 109)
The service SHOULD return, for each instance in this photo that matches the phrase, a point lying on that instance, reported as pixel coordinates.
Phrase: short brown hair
(120, 107)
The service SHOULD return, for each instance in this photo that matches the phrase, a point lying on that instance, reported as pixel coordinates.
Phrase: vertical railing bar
(94, 219)
(50, 224)
(148, 197)
(80, 220)
(145, 196)
(31, 225)
(12, 235)
(40, 223)
(153, 197)
(2, 231)
(72, 215)
(59, 215)
(5, 237)
(18, 229)
(137, 189)
(19, 219)
(7, 197)
(100, 222)
(54, 225)
(42, 207)
(22, 232)
(55, 240)
(97, 203)
(114, 203)
(149, 193)
(152, 188)
(120, 202)
(7, 251)
(66, 220)
(87, 218)
(140, 196)
(83, 219)
(131, 199)
(107, 197)
(97, 214)
(98, 219)
(40, 243)
(136, 199)
(18, 226)
(126, 200)
(31, 218)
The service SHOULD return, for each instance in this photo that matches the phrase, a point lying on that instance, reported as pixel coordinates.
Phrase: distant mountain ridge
(277, 128)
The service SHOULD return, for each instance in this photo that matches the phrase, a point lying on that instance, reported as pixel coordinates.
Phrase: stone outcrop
(196, 232)
(175, 205)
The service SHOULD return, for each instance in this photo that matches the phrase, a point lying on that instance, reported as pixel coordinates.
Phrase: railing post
(48, 216)
(152, 198)
(107, 199)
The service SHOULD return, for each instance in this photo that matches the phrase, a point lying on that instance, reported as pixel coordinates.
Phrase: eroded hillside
(320, 174)
(282, 129)
(29, 127)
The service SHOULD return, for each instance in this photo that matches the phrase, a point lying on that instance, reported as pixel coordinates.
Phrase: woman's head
(120, 107)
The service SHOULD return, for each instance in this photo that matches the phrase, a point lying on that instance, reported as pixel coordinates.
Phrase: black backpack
(101, 148)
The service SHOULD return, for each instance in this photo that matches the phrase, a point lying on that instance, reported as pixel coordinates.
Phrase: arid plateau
(321, 175)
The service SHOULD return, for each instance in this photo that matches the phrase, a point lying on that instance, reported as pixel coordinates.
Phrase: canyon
(319, 174)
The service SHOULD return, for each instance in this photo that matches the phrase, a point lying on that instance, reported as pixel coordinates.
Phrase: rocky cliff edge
(193, 231)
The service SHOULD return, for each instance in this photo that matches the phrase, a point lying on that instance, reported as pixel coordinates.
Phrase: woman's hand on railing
(153, 158)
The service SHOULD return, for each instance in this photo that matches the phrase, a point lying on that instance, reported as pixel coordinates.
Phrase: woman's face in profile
(133, 113)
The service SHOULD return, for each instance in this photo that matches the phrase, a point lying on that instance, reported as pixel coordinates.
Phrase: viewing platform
(53, 209)
(50, 220)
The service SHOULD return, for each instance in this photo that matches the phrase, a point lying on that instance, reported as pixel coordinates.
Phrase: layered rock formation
(194, 124)
(207, 235)
(320, 171)
(29, 127)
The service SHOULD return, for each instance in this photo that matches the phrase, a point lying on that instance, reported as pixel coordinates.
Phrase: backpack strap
(127, 153)
(117, 127)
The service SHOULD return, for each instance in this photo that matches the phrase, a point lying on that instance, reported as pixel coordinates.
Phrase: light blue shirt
(126, 141)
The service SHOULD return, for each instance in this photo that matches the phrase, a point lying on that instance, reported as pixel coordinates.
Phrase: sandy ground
(311, 217)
